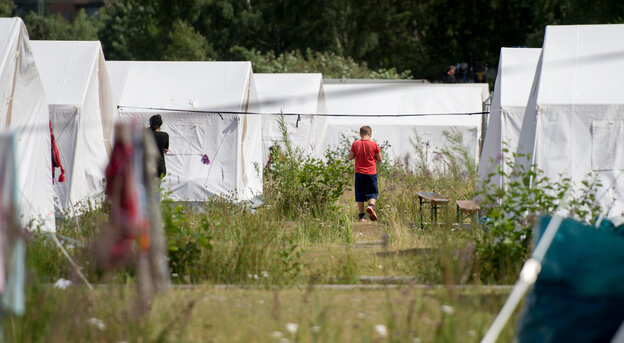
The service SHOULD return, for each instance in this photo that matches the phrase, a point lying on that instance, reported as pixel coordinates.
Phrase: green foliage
(329, 64)
(6, 8)
(457, 158)
(55, 27)
(512, 209)
(187, 239)
(298, 183)
(132, 31)
(186, 44)
(453, 158)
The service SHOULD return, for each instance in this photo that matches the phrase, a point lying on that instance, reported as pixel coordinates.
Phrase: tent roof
(288, 93)
(581, 65)
(405, 98)
(516, 75)
(66, 68)
(212, 86)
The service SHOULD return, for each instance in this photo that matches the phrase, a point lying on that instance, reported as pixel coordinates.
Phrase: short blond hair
(366, 131)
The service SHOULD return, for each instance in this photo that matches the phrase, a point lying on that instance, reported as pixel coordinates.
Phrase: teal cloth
(579, 293)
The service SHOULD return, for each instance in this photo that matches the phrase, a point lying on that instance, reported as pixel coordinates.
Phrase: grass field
(242, 274)
(211, 314)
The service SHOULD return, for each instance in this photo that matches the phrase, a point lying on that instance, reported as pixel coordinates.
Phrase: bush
(512, 209)
(297, 183)
(329, 64)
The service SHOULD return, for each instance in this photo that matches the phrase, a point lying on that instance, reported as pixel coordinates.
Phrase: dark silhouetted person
(162, 142)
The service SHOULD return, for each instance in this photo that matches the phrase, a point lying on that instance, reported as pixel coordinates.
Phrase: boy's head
(366, 131)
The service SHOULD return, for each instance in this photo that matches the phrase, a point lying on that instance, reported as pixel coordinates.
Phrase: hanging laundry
(12, 249)
(56, 157)
(135, 218)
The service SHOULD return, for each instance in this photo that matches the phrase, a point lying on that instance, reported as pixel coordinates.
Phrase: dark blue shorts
(365, 187)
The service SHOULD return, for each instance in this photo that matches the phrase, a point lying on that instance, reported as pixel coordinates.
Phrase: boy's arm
(351, 155)
(378, 157)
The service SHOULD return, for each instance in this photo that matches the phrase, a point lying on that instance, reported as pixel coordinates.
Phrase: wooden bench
(435, 201)
(467, 208)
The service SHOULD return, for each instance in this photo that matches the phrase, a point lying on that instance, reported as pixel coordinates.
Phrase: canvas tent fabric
(300, 94)
(375, 103)
(516, 70)
(24, 109)
(574, 122)
(81, 111)
(232, 141)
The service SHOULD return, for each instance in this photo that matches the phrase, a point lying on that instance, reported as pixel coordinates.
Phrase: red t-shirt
(365, 151)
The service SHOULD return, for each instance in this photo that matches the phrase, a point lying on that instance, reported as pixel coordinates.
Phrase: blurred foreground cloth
(579, 293)
(12, 249)
(134, 236)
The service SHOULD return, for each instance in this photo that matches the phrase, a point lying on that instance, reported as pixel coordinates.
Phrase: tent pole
(71, 261)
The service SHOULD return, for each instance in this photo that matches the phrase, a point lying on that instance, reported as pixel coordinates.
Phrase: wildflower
(447, 309)
(381, 330)
(205, 159)
(97, 323)
(276, 334)
(62, 283)
(264, 273)
(292, 327)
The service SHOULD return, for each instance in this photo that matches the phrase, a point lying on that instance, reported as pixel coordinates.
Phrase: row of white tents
(219, 109)
(560, 103)
(563, 106)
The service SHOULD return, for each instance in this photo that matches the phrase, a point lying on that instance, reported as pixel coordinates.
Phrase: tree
(186, 44)
(55, 27)
(6, 8)
(132, 31)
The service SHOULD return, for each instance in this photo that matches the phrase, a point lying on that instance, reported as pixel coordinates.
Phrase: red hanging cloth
(56, 157)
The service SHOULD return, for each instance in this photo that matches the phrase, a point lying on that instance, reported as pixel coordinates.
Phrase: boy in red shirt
(365, 152)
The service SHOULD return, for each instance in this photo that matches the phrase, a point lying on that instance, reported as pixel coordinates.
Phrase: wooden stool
(466, 208)
(436, 201)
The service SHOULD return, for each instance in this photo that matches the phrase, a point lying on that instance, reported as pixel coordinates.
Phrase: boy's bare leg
(372, 201)
(360, 207)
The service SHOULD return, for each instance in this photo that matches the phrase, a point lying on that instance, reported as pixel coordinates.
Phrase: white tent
(82, 113)
(436, 108)
(516, 70)
(24, 108)
(574, 121)
(180, 91)
(300, 94)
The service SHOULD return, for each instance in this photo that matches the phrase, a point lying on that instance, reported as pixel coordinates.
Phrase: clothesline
(300, 114)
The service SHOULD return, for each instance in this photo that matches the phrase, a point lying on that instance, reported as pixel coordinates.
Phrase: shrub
(296, 183)
(512, 209)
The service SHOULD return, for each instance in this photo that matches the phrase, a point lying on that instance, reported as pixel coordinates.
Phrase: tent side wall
(491, 156)
(27, 113)
(106, 106)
